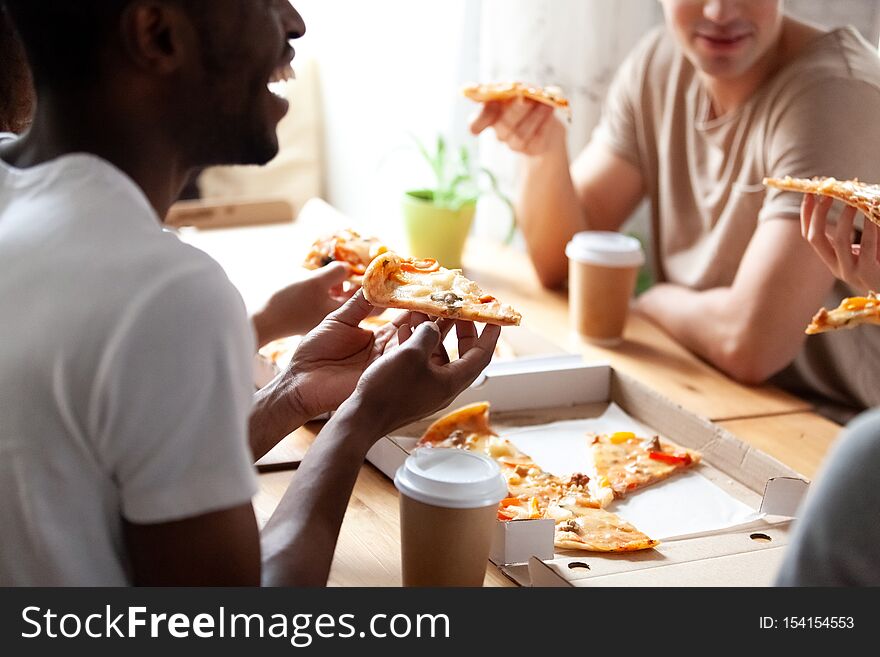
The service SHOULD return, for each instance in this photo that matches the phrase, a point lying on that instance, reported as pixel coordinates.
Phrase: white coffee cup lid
(605, 248)
(451, 478)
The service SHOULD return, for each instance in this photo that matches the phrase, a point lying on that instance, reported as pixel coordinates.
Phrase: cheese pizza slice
(424, 286)
(347, 246)
(852, 312)
(862, 196)
(580, 523)
(580, 527)
(625, 462)
(503, 91)
(468, 428)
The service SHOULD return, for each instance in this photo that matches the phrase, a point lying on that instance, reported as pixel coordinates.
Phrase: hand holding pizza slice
(424, 286)
(862, 196)
(346, 246)
(505, 91)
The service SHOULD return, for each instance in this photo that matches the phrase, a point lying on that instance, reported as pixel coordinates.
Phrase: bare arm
(754, 328)
(556, 200)
(214, 549)
(300, 307)
(300, 537)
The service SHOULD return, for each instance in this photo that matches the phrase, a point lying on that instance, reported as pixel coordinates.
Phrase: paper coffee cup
(602, 272)
(448, 506)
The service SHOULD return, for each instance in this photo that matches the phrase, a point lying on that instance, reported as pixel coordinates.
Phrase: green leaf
(496, 190)
(457, 183)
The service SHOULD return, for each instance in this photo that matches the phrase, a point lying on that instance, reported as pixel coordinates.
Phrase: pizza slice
(862, 196)
(347, 246)
(625, 462)
(468, 428)
(424, 286)
(503, 91)
(580, 527)
(852, 312)
(580, 523)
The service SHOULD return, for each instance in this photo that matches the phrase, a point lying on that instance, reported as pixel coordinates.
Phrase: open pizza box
(723, 523)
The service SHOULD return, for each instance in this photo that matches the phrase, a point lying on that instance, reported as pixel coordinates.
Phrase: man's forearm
(274, 415)
(300, 537)
(714, 326)
(548, 210)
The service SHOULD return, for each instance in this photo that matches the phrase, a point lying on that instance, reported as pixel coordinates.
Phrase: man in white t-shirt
(128, 423)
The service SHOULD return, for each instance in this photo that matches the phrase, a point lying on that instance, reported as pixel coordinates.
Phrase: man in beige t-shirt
(725, 94)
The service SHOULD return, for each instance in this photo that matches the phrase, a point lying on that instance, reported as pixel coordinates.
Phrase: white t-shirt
(125, 375)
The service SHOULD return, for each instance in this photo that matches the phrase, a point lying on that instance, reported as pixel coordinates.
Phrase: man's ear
(156, 36)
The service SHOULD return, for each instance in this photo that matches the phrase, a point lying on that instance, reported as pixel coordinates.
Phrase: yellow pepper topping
(622, 437)
(855, 303)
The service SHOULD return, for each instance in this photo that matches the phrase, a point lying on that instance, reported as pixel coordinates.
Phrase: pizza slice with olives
(580, 522)
(422, 285)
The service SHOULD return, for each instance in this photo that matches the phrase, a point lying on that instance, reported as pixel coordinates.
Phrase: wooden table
(647, 353)
(259, 260)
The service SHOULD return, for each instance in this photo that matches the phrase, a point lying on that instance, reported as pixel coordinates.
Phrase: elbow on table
(551, 272)
(550, 279)
(748, 361)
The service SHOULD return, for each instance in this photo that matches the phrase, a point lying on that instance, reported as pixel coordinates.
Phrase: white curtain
(574, 44)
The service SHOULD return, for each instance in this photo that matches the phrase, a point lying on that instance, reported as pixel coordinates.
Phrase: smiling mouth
(281, 79)
(723, 40)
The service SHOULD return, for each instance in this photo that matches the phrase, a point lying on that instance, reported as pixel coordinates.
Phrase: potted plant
(438, 219)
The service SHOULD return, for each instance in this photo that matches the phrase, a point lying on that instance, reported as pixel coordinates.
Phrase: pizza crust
(503, 91)
(440, 293)
(862, 196)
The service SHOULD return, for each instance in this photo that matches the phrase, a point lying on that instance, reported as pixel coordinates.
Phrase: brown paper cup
(444, 547)
(599, 300)
(448, 508)
(602, 272)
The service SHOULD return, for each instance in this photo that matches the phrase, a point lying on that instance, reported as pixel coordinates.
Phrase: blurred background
(373, 75)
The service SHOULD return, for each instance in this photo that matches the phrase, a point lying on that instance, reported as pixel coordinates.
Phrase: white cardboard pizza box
(561, 387)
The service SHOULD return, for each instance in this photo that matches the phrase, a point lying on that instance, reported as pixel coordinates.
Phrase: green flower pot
(435, 231)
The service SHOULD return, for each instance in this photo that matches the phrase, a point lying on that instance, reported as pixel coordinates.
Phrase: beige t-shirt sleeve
(829, 128)
(618, 127)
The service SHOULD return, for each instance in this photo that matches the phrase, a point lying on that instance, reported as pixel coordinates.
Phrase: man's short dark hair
(63, 38)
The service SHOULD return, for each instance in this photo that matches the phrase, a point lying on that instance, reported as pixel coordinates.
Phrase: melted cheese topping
(851, 312)
(580, 523)
(627, 465)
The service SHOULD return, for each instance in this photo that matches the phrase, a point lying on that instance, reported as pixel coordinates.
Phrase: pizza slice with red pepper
(346, 246)
(625, 462)
(422, 285)
(580, 522)
(852, 312)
